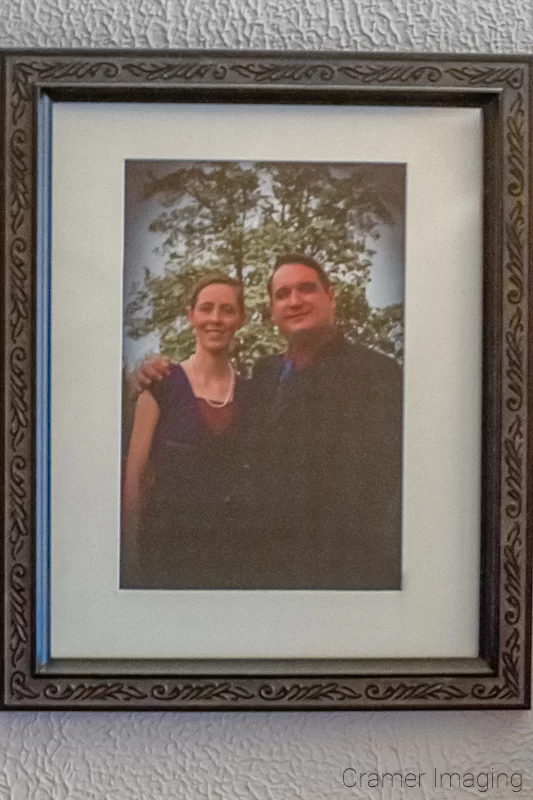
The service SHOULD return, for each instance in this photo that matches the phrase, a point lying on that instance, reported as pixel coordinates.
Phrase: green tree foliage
(237, 218)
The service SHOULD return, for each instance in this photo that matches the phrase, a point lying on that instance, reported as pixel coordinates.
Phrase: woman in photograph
(182, 458)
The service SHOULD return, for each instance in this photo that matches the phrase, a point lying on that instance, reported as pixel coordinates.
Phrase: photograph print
(262, 375)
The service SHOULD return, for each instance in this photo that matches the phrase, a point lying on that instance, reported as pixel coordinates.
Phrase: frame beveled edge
(503, 677)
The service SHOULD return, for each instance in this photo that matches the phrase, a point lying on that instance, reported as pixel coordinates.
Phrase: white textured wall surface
(133, 756)
(438, 25)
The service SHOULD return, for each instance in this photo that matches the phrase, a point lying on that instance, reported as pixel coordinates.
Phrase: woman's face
(216, 316)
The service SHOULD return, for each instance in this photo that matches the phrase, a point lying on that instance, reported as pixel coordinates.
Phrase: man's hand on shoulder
(151, 370)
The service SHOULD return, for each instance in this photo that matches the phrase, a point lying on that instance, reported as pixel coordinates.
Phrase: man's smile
(296, 317)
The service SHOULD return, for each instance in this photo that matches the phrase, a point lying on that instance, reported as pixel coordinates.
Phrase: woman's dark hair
(214, 279)
(306, 261)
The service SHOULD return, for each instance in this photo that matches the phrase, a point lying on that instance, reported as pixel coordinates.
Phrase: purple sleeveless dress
(185, 538)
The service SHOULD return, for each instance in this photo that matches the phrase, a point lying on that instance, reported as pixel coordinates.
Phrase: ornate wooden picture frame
(499, 677)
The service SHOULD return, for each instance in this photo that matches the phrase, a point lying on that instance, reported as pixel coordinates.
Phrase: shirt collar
(305, 357)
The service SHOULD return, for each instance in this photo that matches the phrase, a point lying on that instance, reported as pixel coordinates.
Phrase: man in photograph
(319, 502)
(325, 445)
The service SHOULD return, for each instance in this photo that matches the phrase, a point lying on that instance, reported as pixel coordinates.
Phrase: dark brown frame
(500, 676)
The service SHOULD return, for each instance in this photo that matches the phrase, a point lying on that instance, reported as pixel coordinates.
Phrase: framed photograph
(266, 377)
(280, 521)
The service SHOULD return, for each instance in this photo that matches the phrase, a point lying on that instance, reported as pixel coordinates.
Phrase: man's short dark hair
(306, 261)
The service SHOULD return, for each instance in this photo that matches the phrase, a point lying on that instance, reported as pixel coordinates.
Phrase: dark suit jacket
(324, 453)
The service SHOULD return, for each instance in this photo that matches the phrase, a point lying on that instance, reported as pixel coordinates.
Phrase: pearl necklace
(229, 396)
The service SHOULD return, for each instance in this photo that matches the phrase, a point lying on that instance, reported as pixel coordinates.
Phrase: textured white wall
(260, 756)
(432, 25)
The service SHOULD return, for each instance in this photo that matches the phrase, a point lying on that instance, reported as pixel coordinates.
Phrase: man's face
(300, 303)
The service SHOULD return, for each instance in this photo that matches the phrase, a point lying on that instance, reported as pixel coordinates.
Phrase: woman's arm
(145, 420)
